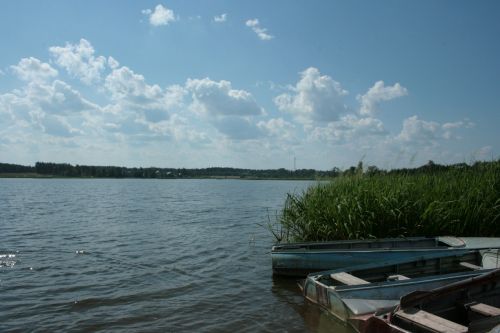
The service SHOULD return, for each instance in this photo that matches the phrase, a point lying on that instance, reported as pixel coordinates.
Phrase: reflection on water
(315, 318)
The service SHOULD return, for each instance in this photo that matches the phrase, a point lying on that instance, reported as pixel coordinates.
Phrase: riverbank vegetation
(460, 200)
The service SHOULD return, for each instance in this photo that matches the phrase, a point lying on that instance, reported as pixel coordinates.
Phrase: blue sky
(249, 84)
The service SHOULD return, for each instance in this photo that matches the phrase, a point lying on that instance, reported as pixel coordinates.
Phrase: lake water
(88, 255)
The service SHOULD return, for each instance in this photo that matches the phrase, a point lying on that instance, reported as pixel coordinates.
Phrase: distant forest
(90, 171)
(45, 169)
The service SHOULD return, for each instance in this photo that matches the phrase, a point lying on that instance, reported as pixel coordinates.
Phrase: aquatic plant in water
(458, 200)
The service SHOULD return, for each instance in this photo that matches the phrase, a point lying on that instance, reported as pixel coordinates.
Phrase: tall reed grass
(461, 201)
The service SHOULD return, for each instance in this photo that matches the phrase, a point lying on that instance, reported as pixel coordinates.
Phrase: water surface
(86, 255)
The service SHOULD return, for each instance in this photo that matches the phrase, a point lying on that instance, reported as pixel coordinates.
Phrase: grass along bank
(457, 200)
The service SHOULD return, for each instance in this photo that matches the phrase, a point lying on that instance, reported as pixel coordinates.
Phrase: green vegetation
(44, 169)
(432, 200)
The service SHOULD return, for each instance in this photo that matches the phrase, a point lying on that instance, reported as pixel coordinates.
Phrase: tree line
(90, 171)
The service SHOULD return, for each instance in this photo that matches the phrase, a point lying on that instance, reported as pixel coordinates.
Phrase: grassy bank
(461, 201)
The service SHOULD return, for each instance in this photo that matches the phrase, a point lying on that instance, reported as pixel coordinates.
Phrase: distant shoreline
(40, 176)
(65, 170)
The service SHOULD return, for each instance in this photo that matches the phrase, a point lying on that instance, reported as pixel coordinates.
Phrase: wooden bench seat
(397, 277)
(471, 266)
(485, 309)
(429, 321)
(348, 279)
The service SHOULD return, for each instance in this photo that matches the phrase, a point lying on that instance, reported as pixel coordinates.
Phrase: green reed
(461, 201)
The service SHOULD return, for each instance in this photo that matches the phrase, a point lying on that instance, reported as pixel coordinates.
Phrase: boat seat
(429, 321)
(348, 279)
(471, 266)
(397, 277)
(485, 309)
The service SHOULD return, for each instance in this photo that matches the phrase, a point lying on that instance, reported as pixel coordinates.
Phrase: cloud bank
(81, 103)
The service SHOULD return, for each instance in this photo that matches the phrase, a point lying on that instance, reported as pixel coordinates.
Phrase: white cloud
(32, 69)
(221, 18)
(262, 33)
(132, 93)
(418, 131)
(449, 128)
(378, 93)
(349, 128)
(278, 128)
(79, 61)
(227, 109)
(315, 97)
(58, 126)
(204, 117)
(113, 63)
(55, 108)
(55, 98)
(218, 98)
(421, 132)
(160, 16)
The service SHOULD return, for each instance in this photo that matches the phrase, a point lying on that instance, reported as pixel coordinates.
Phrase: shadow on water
(315, 318)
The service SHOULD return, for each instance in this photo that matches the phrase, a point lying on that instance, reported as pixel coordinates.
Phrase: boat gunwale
(398, 283)
(372, 250)
(457, 253)
(299, 245)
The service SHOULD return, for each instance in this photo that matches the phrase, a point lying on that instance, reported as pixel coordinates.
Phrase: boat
(354, 294)
(300, 259)
(471, 305)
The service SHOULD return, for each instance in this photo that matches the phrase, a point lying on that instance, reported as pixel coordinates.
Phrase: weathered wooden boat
(471, 305)
(354, 294)
(300, 259)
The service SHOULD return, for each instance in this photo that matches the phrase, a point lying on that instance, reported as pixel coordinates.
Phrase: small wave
(7, 260)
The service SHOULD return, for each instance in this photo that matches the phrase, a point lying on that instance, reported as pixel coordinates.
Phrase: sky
(249, 84)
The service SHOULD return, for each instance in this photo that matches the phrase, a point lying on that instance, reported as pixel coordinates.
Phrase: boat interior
(472, 306)
(425, 266)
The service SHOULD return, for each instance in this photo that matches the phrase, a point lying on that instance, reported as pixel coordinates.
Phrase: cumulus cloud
(79, 61)
(420, 132)
(349, 128)
(262, 33)
(449, 128)
(315, 97)
(132, 92)
(278, 128)
(219, 98)
(32, 69)
(55, 98)
(58, 126)
(113, 63)
(378, 93)
(227, 109)
(160, 15)
(221, 18)
(46, 107)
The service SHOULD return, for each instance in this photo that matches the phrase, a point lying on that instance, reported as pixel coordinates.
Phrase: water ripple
(83, 255)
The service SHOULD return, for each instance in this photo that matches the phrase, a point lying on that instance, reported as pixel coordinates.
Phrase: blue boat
(354, 294)
(300, 259)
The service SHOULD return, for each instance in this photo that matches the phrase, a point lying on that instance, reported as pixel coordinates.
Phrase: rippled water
(89, 255)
